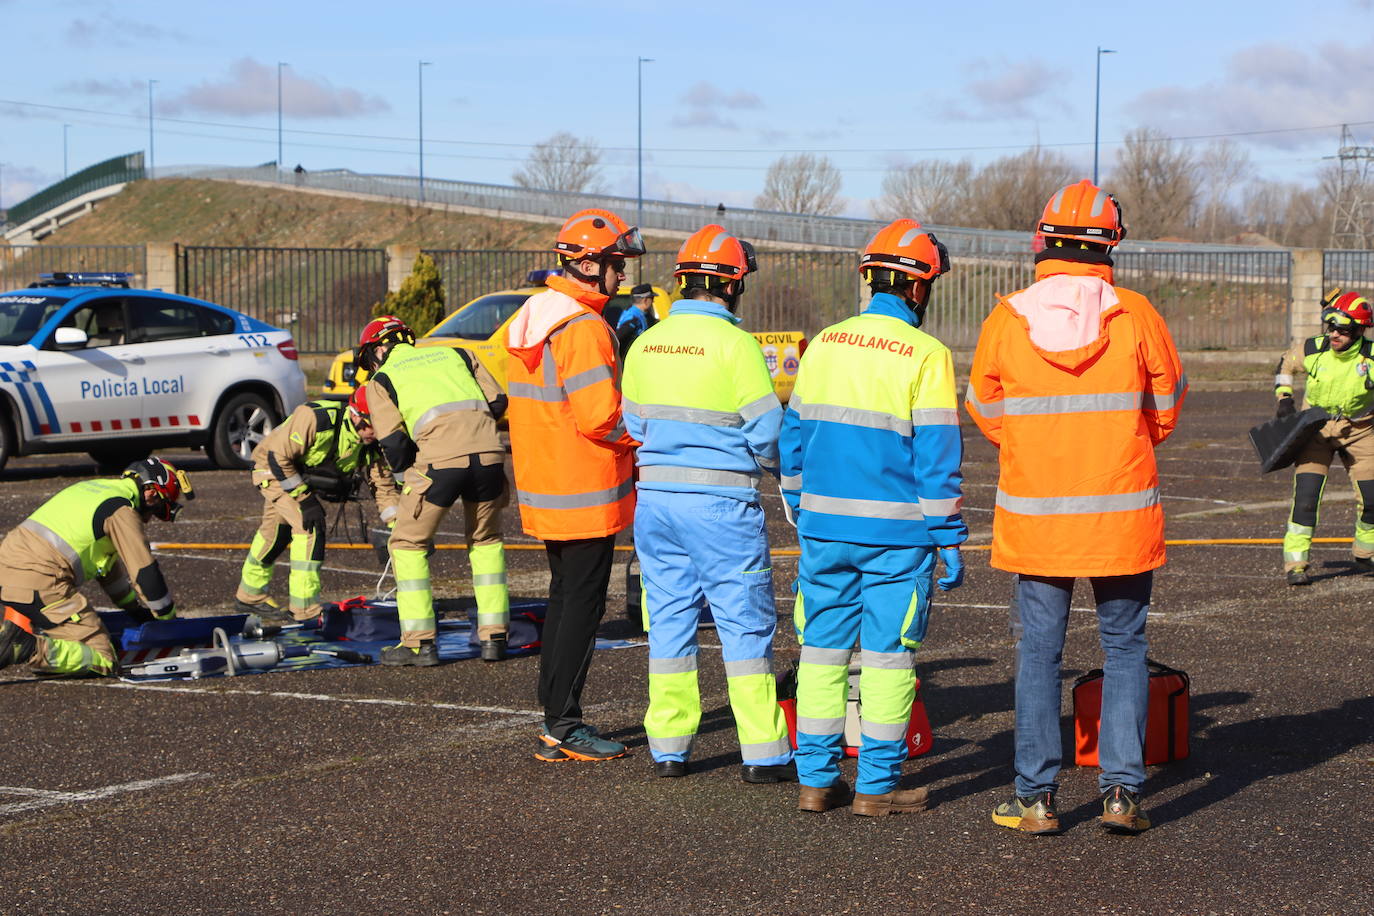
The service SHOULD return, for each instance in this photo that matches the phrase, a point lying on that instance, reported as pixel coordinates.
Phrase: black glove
(312, 513)
(1286, 407)
(139, 614)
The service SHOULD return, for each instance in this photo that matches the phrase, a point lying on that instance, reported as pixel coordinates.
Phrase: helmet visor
(629, 244)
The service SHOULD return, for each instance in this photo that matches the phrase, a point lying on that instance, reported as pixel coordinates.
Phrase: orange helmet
(1342, 310)
(588, 233)
(907, 248)
(712, 250)
(1085, 213)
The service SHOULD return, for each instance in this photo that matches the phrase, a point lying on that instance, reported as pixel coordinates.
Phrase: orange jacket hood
(544, 313)
(1066, 311)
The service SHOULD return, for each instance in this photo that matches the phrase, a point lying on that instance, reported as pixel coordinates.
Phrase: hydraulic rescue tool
(224, 657)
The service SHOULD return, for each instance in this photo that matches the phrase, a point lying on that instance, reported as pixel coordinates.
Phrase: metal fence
(21, 265)
(1349, 270)
(118, 170)
(322, 295)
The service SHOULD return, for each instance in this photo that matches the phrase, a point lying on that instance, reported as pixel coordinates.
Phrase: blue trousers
(1043, 606)
(879, 596)
(695, 548)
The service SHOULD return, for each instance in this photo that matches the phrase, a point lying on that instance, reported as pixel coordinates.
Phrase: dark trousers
(579, 572)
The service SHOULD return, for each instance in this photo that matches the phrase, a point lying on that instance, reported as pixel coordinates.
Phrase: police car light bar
(541, 277)
(86, 278)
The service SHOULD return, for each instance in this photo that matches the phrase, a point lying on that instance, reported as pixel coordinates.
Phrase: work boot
(268, 611)
(1364, 564)
(763, 774)
(1031, 814)
(494, 649)
(17, 644)
(1121, 811)
(426, 656)
(898, 801)
(1298, 576)
(585, 743)
(832, 796)
(670, 769)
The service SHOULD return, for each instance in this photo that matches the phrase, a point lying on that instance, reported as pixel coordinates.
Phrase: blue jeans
(1043, 605)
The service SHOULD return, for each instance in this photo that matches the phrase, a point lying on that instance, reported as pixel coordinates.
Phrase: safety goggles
(751, 261)
(629, 244)
(1337, 320)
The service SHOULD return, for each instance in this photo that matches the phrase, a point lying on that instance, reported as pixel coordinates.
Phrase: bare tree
(931, 190)
(1156, 180)
(561, 163)
(1222, 166)
(803, 183)
(1010, 193)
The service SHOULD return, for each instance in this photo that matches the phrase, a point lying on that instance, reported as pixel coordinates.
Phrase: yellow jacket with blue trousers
(870, 454)
(698, 395)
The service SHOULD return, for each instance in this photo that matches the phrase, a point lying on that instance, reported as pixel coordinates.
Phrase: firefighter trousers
(70, 638)
(282, 525)
(1353, 443)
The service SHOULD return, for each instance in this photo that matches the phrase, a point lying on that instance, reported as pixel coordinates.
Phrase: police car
(88, 364)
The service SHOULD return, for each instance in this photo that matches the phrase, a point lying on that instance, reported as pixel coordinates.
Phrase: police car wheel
(242, 423)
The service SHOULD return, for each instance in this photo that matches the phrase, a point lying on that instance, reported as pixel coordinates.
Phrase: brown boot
(835, 796)
(898, 801)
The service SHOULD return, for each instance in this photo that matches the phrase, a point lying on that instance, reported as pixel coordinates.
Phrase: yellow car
(480, 326)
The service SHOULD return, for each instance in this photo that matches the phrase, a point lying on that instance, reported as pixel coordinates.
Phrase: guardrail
(118, 170)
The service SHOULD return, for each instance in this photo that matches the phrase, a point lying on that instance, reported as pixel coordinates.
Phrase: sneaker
(17, 644)
(1121, 811)
(585, 743)
(547, 750)
(1032, 814)
(1298, 576)
(426, 656)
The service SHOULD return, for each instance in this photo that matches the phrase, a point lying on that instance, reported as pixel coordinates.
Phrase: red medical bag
(1166, 724)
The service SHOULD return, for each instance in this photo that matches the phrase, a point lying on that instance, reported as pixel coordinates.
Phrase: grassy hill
(220, 213)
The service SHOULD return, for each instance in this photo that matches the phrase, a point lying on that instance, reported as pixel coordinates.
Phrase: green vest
(1339, 383)
(73, 521)
(336, 445)
(427, 382)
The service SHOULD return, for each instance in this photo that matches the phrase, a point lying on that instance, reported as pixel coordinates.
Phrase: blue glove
(954, 569)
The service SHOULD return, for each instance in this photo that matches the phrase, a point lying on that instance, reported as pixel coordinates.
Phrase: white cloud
(251, 88)
(706, 102)
(111, 89)
(1004, 90)
(21, 182)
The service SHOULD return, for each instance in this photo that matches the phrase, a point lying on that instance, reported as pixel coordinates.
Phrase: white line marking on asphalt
(234, 559)
(49, 799)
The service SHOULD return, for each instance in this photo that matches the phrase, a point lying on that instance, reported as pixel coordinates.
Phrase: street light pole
(280, 64)
(65, 128)
(151, 84)
(421, 71)
(639, 158)
(1097, 107)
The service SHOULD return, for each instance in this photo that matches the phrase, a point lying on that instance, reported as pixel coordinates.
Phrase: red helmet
(712, 250)
(1085, 213)
(906, 247)
(385, 330)
(357, 407)
(1344, 310)
(589, 233)
(166, 481)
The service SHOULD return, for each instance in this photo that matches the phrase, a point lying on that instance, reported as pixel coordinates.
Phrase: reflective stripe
(764, 749)
(552, 395)
(412, 585)
(160, 604)
(991, 410)
(679, 665)
(575, 500)
(1283, 378)
(615, 434)
(820, 726)
(861, 508)
(941, 508)
(882, 731)
(452, 406)
(413, 624)
(689, 415)
(666, 473)
(812, 655)
(1078, 505)
(489, 579)
(52, 537)
(1072, 403)
(1154, 401)
(388, 513)
(1294, 528)
(249, 589)
(494, 619)
(305, 565)
(935, 416)
(791, 483)
(681, 744)
(549, 366)
(856, 416)
(760, 407)
(587, 377)
(745, 667)
(290, 483)
(891, 660)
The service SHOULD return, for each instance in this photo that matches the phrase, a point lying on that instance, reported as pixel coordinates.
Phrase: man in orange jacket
(1077, 381)
(573, 461)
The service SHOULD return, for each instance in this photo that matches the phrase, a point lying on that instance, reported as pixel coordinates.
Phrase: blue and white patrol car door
(95, 392)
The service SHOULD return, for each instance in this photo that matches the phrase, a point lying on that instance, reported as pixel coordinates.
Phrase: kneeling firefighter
(435, 411)
(90, 530)
(316, 454)
(1338, 366)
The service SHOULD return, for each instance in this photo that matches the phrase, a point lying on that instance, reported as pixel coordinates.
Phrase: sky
(730, 87)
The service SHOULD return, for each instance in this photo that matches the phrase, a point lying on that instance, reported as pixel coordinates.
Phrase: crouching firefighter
(90, 530)
(1338, 366)
(317, 454)
(435, 411)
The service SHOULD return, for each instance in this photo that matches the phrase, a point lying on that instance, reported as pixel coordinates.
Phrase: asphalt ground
(415, 790)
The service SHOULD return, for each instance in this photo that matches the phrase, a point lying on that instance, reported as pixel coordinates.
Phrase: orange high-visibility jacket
(1076, 381)
(572, 457)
